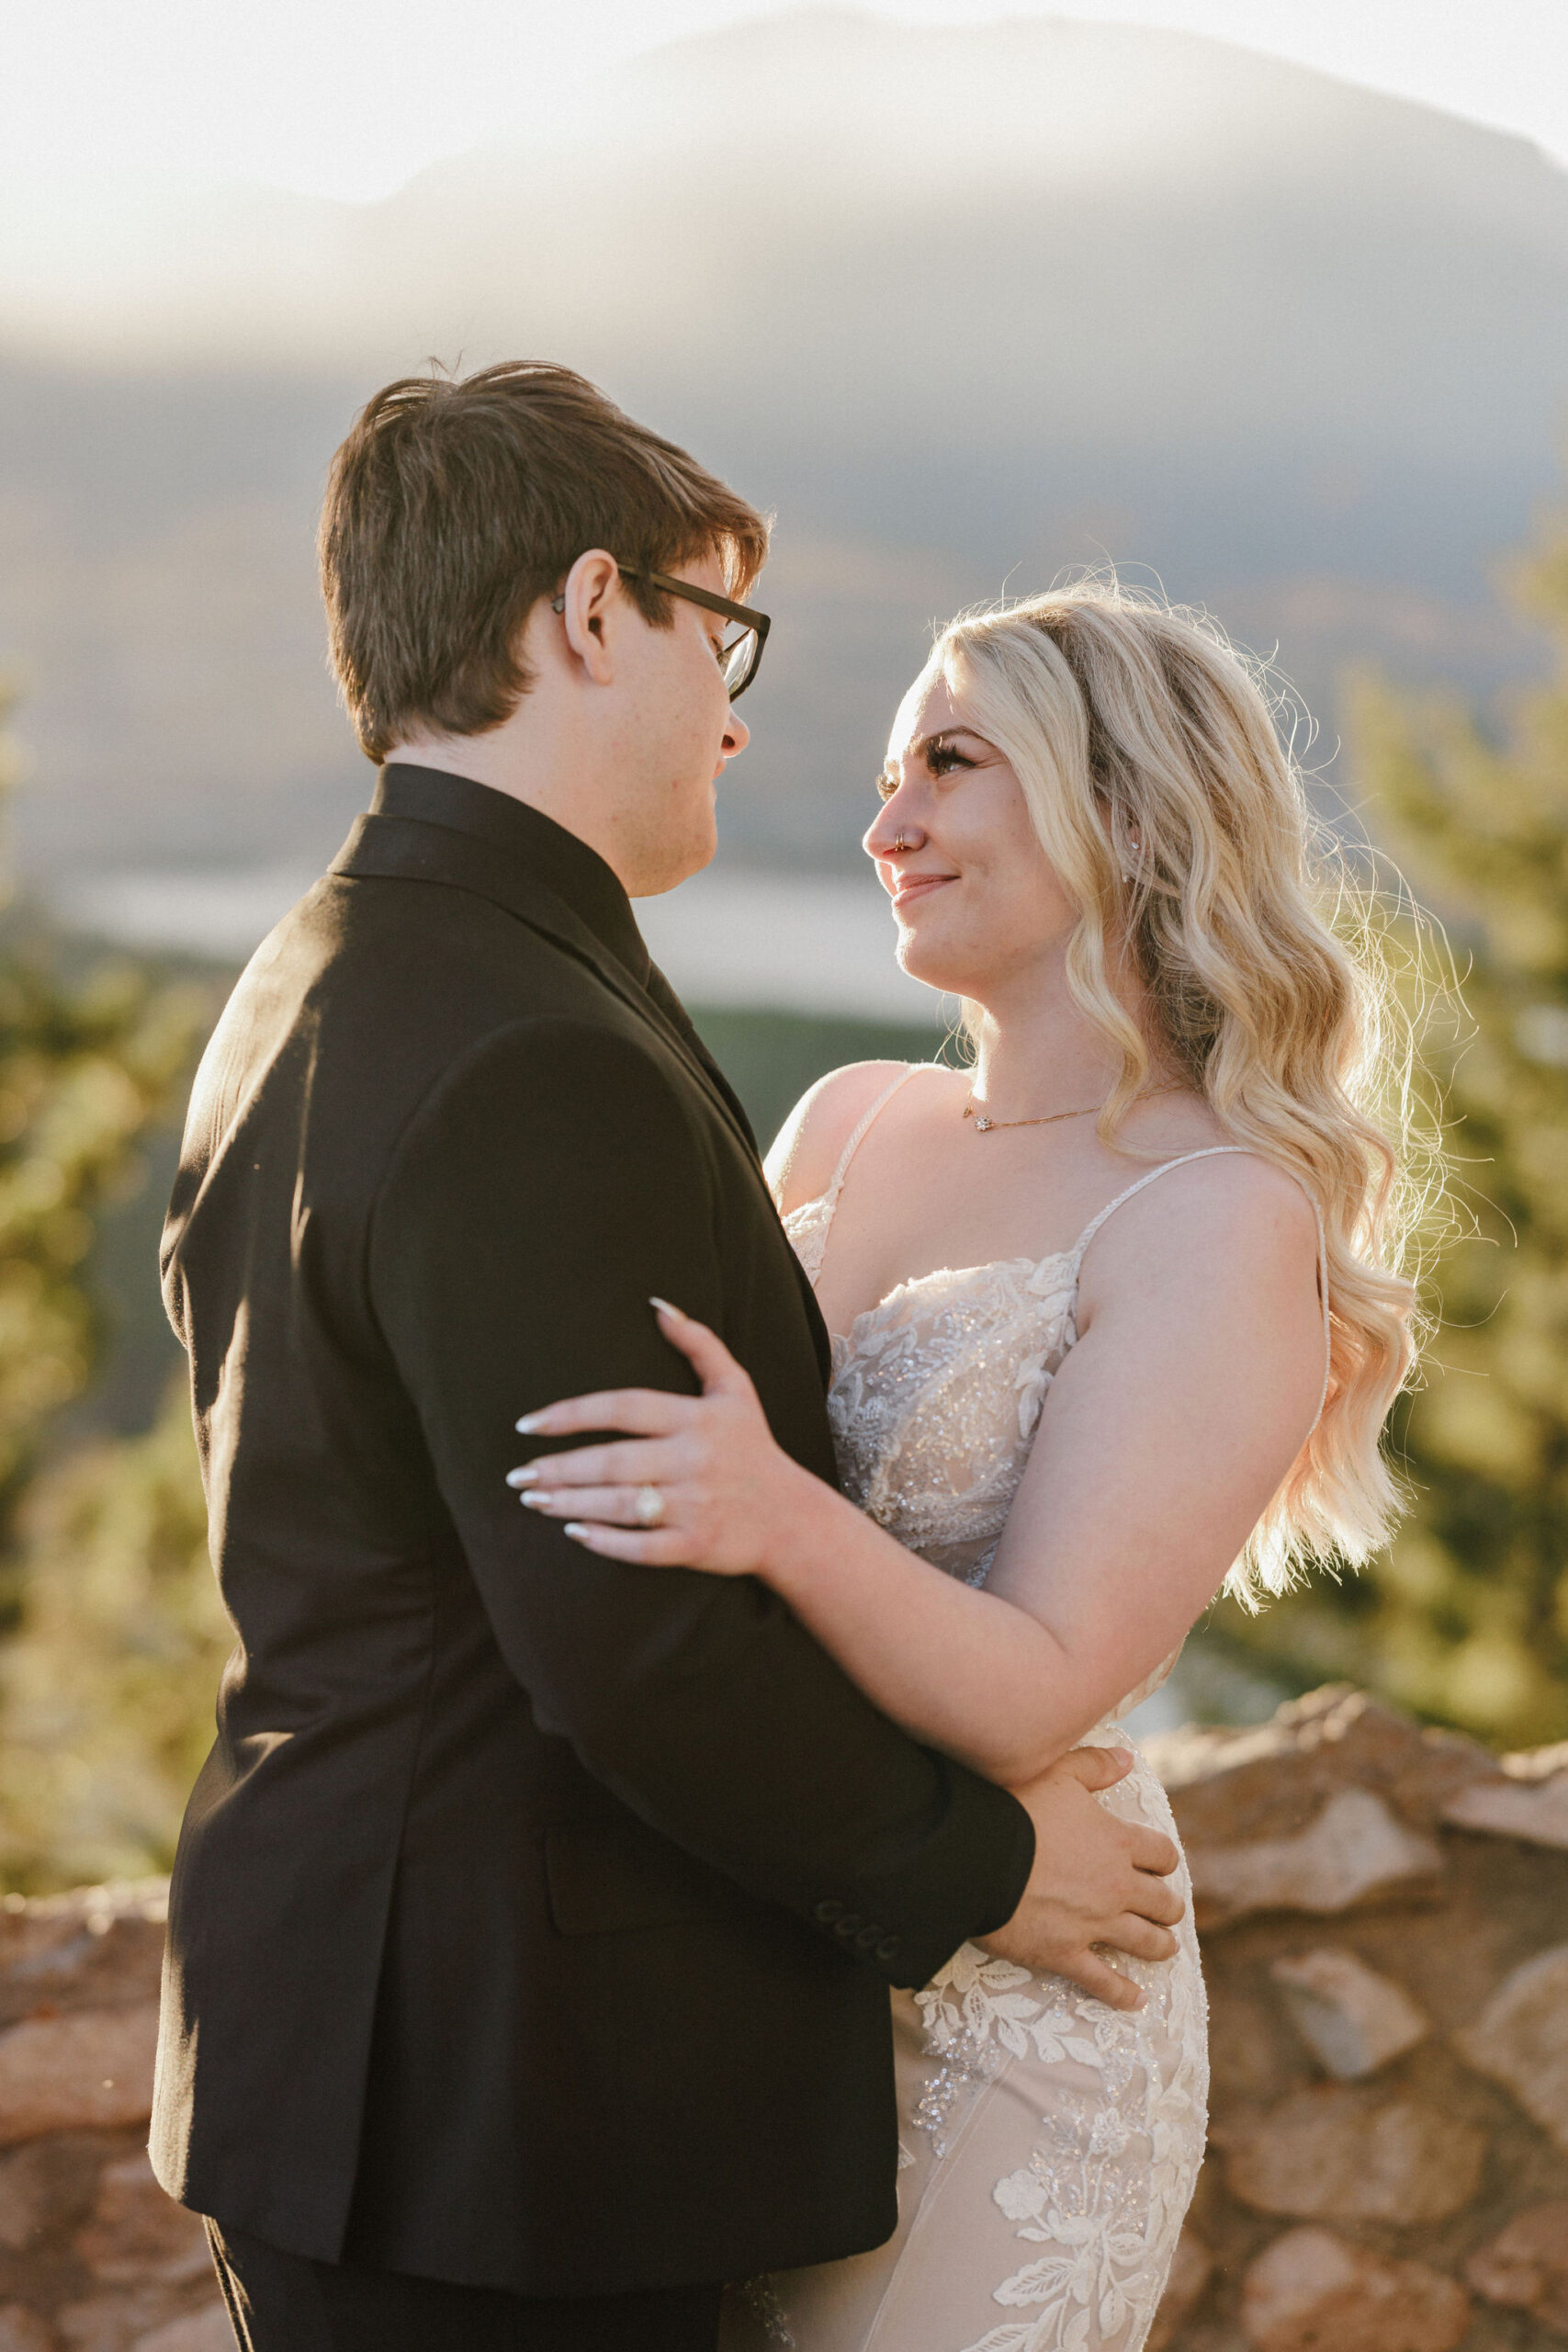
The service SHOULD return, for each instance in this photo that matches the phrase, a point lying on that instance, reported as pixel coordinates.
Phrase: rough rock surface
(204, 2331)
(23, 2331)
(1447, 1942)
(1525, 2265)
(1354, 1851)
(1537, 1810)
(1331, 2153)
(93, 2255)
(1521, 2039)
(1313, 2292)
(1352, 2020)
(71, 2074)
(1414, 2202)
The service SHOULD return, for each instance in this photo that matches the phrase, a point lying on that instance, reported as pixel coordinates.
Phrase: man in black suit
(533, 1916)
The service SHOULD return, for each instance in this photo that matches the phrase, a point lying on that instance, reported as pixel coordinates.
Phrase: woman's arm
(736, 1505)
(1165, 1432)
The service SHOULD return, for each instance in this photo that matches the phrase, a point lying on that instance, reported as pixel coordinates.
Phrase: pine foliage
(1466, 1620)
(92, 1547)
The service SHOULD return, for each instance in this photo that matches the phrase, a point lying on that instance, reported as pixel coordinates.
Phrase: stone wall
(93, 2255)
(1385, 1926)
(1384, 1921)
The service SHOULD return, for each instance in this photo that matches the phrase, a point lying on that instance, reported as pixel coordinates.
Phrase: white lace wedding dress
(1049, 2144)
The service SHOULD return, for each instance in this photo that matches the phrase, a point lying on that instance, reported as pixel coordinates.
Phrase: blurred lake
(785, 942)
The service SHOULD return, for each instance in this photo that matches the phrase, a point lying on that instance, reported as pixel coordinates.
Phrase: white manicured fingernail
(536, 1499)
(662, 1306)
(576, 1529)
(523, 1478)
(530, 1423)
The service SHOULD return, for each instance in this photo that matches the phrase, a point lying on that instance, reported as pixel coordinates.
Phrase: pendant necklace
(984, 1126)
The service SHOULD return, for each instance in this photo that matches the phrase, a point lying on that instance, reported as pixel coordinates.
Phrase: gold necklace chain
(984, 1126)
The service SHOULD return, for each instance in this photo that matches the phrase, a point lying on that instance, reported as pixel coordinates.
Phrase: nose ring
(900, 842)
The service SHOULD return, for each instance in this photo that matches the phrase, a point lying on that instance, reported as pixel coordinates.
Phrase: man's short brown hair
(452, 506)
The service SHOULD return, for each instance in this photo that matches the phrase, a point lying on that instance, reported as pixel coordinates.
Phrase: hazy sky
(350, 97)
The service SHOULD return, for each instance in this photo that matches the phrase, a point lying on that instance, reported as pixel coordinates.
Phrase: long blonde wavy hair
(1178, 823)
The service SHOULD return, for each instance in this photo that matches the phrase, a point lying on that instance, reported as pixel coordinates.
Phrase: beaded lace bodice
(935, 1396)
(937, 1390)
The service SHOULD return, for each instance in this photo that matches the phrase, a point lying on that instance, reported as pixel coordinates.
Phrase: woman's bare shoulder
(806, 1149)
(1246, 1197)
(1222, 1219)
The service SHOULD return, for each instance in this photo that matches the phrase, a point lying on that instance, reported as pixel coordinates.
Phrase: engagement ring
(650, 1507)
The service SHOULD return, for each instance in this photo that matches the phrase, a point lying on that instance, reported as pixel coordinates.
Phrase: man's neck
(480, 759)
(524, 772)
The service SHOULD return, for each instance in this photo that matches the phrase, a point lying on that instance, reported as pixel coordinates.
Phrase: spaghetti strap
(1223, 1152)
(810, 1223)
(862, 1129)
(1212, 1151)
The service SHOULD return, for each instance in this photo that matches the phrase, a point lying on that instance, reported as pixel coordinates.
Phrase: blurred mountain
(966, 306)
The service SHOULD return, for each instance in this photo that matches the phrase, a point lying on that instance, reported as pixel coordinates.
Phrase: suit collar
(500, 860)
(564, 865)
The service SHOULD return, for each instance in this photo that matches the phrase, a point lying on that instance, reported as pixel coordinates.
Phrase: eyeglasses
(740, 655)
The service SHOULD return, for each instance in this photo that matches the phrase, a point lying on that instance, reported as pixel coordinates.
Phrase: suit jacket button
(849, 1926)
(888, 1948)
(828, 1912)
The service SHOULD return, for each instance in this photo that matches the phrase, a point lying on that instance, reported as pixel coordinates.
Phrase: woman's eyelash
(940, 759)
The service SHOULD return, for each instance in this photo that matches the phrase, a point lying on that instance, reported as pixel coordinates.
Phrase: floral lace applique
(935, 1396)
(1112, 2172)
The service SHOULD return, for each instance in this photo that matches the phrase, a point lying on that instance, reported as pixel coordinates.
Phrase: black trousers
(285, 2302)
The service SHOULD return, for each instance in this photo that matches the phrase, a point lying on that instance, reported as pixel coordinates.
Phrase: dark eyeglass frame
(756, 623)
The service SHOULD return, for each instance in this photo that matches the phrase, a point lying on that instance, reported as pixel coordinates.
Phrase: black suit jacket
(533, 1914)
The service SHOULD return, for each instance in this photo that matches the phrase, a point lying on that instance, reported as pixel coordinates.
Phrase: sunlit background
(1269, 302)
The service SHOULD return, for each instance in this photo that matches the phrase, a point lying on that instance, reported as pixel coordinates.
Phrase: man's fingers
(641, 1412)
(1157, 1899)
(1150, 1850)
(1100, 1979)
(1097, 1768)
(1141, 1938)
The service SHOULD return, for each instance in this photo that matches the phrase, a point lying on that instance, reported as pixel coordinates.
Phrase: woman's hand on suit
(695, 1482)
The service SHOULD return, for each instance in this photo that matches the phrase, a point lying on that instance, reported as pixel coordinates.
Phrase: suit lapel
(665, 996)
(675, 1012)
(659, 988)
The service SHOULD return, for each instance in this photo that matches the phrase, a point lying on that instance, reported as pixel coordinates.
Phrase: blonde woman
(1117, 1319)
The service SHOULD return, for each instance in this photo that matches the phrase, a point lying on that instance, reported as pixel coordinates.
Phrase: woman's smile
(904, 889)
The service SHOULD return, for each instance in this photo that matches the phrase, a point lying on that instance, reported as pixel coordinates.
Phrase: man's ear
(592, 588)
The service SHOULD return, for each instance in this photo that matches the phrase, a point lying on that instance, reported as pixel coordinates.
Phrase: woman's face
(976, 901)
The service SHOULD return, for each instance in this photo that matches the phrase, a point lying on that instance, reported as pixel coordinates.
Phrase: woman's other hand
(697, 1481)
